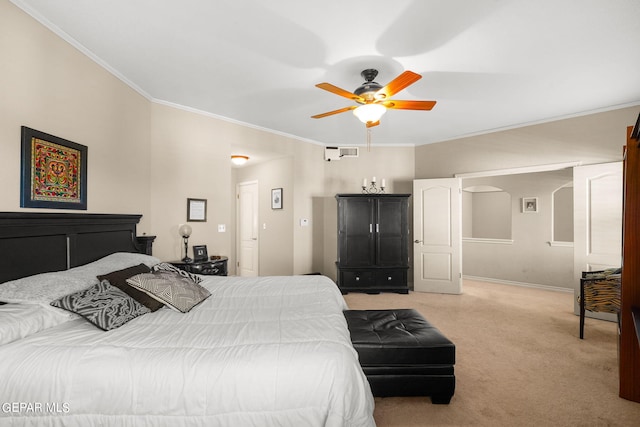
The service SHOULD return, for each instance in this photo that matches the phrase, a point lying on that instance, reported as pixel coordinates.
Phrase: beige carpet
(519, 361)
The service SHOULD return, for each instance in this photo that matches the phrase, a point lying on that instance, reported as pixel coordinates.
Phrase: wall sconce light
(239, 160)
(373, 188)
(185, 231)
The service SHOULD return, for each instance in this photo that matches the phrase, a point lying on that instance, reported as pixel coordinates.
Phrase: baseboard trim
(513, 283)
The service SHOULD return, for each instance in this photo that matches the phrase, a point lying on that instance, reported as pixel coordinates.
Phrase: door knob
(417, 241)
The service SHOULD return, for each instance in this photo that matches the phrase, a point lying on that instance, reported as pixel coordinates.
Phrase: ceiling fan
(374, 99)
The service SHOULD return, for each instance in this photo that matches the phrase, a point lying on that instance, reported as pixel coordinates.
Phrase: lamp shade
(184, 230)
(369, 113)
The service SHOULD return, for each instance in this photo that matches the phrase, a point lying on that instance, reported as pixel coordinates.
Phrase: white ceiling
(490, 64)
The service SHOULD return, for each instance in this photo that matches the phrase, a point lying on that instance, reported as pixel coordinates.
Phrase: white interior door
(437, 233)
(597, 201)
(248, 250)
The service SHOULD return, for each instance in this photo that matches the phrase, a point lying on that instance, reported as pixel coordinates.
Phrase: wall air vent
(349, 151)
(336, 153)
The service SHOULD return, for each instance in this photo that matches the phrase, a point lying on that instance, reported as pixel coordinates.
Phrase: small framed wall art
(197, 210)
(200, 253)
(53, 172)
(529, 204)
(276, 198)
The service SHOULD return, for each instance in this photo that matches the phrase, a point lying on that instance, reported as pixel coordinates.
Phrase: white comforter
(268, 351)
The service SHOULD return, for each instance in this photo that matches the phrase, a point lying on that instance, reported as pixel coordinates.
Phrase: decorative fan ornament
(375, 99)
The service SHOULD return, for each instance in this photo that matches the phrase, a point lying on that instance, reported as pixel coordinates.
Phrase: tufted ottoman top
(398, 337)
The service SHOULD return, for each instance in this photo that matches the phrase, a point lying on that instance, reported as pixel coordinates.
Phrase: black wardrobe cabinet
(373, 242)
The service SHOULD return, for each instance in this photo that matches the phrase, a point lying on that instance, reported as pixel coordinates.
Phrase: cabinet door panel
(356, 226)
(392, 226)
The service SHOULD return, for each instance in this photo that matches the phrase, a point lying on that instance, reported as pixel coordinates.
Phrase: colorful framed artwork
(197, 210)
(276, 198)
(53, 172)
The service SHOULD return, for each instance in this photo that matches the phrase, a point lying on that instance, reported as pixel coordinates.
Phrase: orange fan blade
(335, 89)
(331, 113)
(396, 85)
(409, 105)
(372, 124)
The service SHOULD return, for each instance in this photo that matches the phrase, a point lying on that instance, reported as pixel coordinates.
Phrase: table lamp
(185, 231)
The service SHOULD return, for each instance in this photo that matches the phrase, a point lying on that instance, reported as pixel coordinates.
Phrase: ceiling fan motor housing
(369, 87)
(369, 74)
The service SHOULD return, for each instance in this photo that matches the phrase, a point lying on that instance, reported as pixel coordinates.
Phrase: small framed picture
(197, 210)
(276, 198)
(200, 253)
(529, 204)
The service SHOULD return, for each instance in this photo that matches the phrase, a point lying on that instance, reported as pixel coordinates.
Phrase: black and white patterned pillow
(165, 266)
(172, 289)
(102, 304)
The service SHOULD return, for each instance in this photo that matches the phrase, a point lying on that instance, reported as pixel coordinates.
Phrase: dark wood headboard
(33, 242)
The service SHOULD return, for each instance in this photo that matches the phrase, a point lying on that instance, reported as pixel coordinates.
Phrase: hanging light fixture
(238, 159)
(370, 113)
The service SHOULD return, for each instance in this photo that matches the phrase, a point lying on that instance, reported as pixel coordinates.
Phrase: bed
(266, 351)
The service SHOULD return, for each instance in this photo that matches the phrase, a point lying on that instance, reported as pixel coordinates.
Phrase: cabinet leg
(441, 399)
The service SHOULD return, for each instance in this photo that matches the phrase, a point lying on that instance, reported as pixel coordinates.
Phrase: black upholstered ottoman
(402, 354)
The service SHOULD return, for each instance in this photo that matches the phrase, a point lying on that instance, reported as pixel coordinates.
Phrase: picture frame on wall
(276, 198)
(197, 210)
(529, 204)
(53, 172)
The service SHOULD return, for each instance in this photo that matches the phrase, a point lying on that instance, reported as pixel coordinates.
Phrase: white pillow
(42, 288)
(113, 262)
(21, 320)
(46, 287)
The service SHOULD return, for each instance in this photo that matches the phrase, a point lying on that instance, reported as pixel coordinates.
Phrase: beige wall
(490, 215)
(297, 167)
(530, 258)
(189, 155)
(275, 231)
(594, 138)
(48, 85)
(308, 186)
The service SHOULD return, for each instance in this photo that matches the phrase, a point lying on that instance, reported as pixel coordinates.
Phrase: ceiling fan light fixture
(370, 113)
(238, 159)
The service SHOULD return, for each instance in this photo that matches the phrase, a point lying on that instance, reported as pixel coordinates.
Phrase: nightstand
(213, 267)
